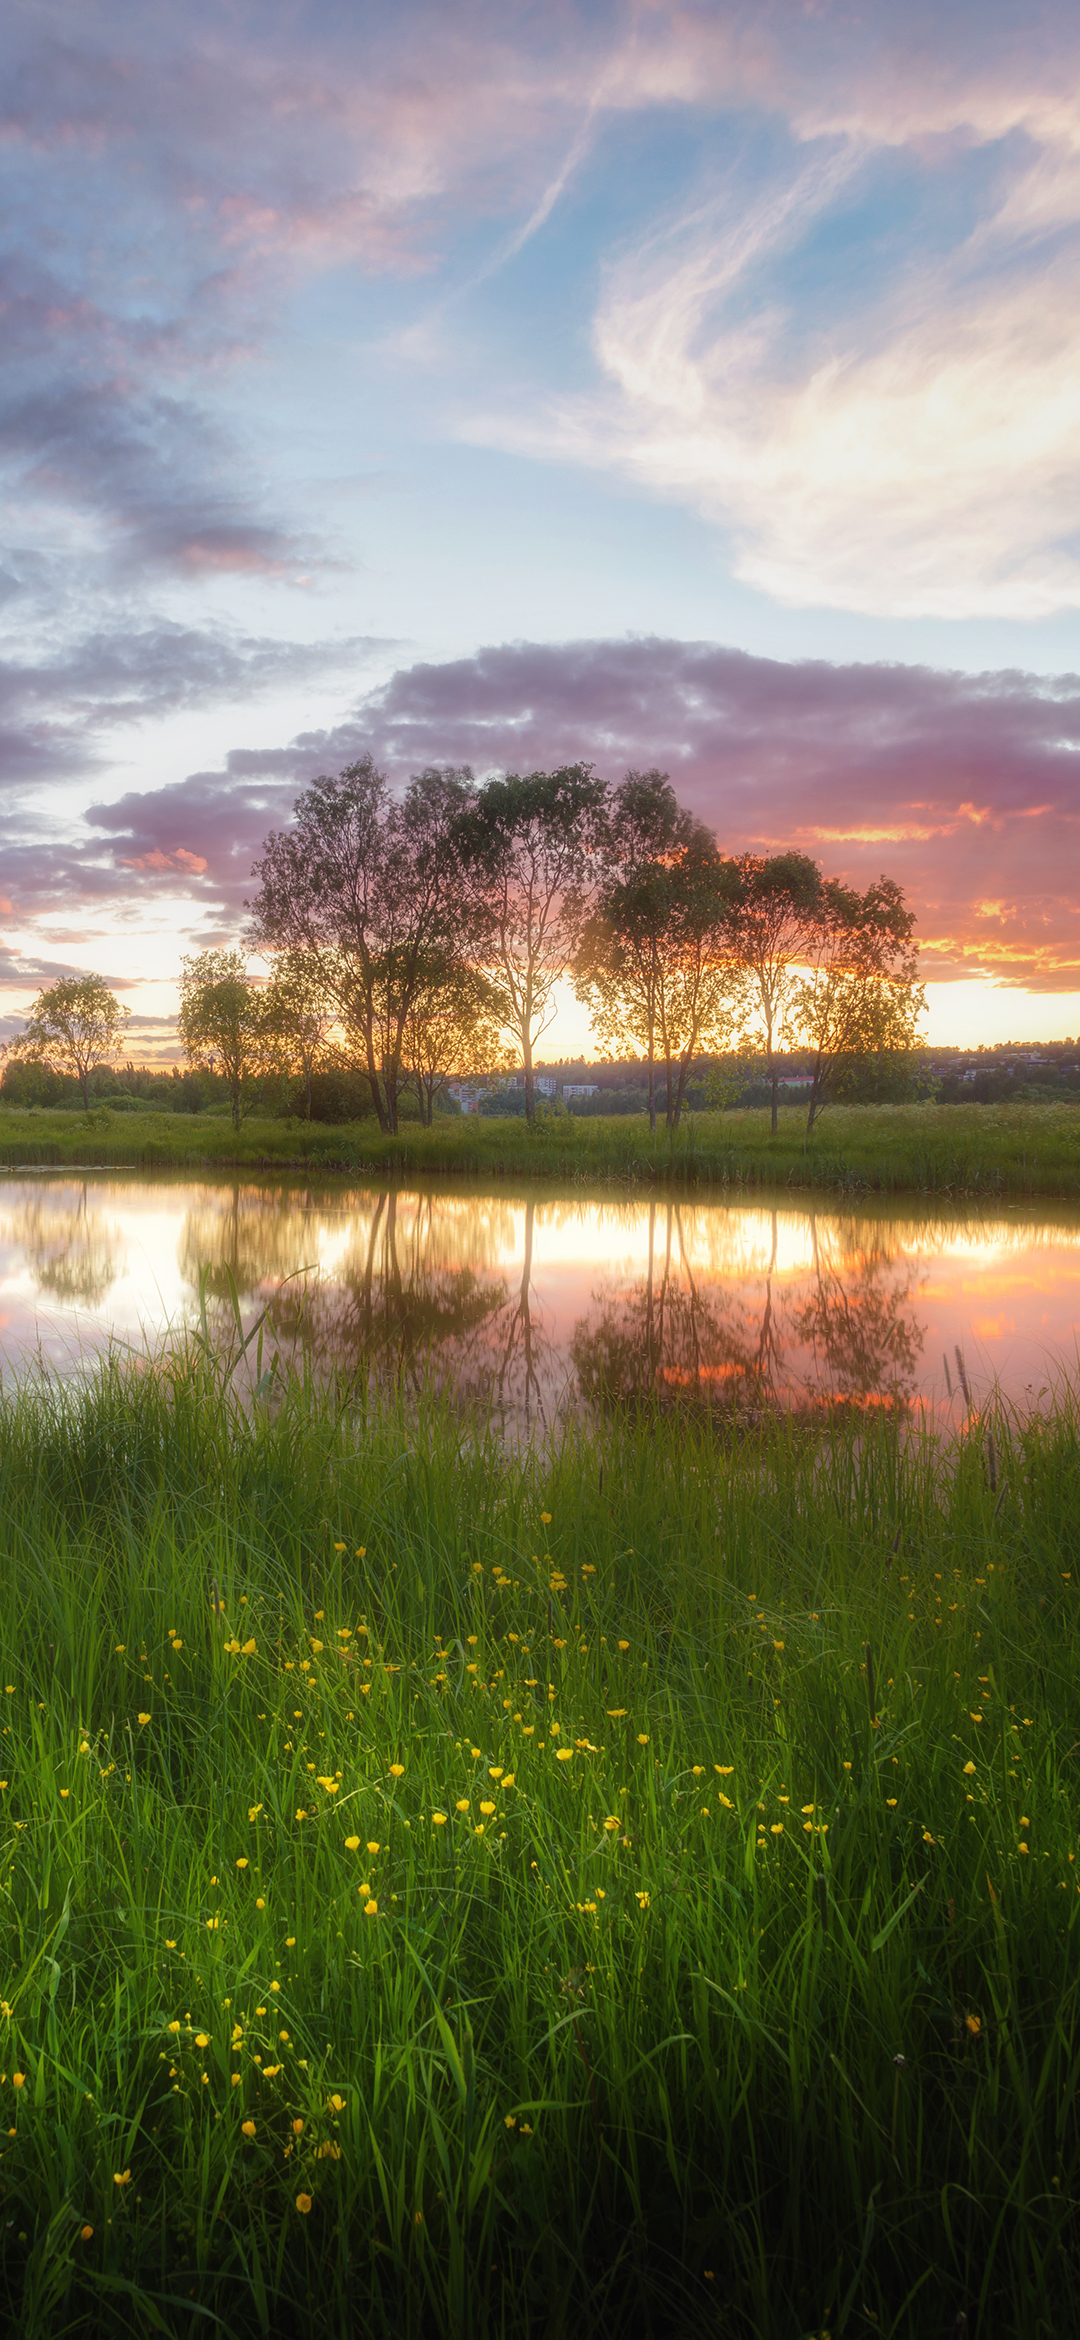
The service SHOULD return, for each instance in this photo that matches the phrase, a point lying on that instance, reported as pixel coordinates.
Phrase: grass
(625, 1890)
(980, 1150)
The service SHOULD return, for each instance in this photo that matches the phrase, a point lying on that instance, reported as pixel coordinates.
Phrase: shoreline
(974, 1152)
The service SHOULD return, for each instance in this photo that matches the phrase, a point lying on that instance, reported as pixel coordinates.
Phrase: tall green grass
(981, 1150)
(624, 1889)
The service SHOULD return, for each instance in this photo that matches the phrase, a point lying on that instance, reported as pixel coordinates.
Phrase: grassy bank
(981, 1150)
(628, 1891)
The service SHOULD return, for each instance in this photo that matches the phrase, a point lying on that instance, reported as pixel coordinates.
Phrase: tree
(73, 1027)
(528, 844)
(655, 961)
(300, 1018)
(453, 1026)
(224, 1025)
(367, 887)
(699, 995)
(861, 997)
(779, 912)
(620, 948)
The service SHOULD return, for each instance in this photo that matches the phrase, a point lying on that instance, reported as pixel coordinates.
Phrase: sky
(510, 385)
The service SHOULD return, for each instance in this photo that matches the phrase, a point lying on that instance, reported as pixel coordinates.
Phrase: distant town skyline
(692, 387)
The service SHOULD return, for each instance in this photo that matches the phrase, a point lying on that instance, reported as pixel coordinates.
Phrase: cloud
(173, 180)
(853, 345)
(965, 788)
(201, 834)
(23, 970)
(915, 455)
(56, 709)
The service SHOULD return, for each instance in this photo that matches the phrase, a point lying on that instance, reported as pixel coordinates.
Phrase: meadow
(626, 1888)
(974, 1150)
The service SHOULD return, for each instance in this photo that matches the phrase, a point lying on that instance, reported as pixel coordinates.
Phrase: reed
(629, 1887)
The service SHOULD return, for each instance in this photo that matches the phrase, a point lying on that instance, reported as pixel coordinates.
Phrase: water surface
(528, 1301)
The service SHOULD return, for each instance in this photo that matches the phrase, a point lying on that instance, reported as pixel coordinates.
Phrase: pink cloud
(965, 788)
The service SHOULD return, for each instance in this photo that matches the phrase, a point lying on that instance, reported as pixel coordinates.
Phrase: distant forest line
(990, 1075)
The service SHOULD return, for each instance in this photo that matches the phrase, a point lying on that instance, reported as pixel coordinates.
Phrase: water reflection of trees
(401, 1288)
(74, 1252)
(439, 1292)
(751, 1346)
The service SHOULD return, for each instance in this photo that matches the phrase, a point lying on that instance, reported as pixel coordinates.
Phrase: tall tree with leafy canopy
(779, 912)
(531, 845)
(368, 885)
(861, 997)
(224, 1025)
(654, 961)
(620, 947)
(300, 1018)
(72, 1028)
(453, 1026)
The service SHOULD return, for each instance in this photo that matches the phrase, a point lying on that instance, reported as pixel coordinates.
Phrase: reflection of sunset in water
(521, 1302)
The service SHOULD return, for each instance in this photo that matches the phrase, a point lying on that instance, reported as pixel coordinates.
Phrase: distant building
(581, 1088)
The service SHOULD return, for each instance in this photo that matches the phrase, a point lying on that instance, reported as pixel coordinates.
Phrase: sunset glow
(647, 386)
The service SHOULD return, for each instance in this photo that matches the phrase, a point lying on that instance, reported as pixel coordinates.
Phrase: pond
(526, 1302)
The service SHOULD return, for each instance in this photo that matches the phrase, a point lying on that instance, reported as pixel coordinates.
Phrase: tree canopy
(72, 1027)
(418, 934)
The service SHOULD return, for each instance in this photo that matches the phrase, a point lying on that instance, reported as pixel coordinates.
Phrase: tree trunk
(652, 1091)
(774, 1080)
(307, 1086)
(84, 1084)
(527, 1063)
